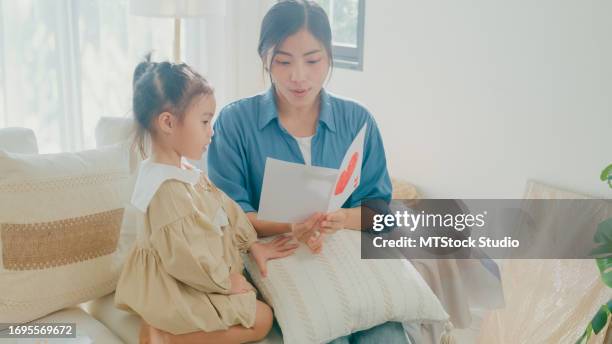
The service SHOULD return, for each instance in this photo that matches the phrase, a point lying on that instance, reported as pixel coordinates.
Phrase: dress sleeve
(176, 235)
(243, 233)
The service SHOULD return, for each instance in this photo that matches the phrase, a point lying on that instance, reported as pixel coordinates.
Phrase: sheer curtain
(66, 63)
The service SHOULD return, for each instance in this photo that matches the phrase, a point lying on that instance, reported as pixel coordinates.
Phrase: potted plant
(603, 254)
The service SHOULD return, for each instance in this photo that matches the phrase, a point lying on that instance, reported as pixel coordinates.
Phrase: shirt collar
(268, 111)
(152, 175)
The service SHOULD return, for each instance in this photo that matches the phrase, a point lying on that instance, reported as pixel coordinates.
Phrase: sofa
(97, 319)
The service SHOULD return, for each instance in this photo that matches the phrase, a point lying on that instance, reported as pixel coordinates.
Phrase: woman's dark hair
(163, 87)
(287, 17)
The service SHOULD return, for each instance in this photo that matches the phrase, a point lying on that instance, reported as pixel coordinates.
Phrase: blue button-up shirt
(248, 131)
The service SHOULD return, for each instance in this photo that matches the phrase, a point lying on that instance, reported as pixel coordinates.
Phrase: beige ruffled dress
(176, 277)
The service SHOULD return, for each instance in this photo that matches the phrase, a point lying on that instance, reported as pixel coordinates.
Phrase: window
(347, 21)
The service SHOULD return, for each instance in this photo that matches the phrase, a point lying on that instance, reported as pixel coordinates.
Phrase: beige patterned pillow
(405, 191)
(318, 298)
(60, 221)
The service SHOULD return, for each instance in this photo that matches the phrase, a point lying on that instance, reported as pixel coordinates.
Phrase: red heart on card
(345, 176)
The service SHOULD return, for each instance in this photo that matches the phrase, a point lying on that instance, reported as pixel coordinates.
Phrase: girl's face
(194, 133)
(299, 69)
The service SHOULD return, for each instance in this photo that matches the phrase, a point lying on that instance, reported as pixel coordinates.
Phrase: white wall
(476, 97)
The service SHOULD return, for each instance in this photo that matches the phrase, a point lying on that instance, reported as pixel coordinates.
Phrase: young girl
(184, 275)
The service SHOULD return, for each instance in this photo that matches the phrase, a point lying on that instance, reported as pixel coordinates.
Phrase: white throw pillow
(112, 130)
(320, 297)
(61, 241)
(18, 140)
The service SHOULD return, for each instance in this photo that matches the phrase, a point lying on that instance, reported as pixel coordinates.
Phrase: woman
(296, 120)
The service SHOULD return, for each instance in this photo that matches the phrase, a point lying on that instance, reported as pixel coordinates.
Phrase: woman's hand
(277, 248)
(332, 222)
(239, 284)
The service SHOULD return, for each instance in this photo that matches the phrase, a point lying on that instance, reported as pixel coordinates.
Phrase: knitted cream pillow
(60, 221)
(320, 297)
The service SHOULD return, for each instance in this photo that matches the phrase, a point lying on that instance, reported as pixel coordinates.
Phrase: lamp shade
(177, 8)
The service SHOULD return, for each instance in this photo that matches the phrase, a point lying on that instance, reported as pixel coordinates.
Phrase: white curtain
(66, 63)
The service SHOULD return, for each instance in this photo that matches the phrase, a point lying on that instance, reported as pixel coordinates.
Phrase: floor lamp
(177, 9)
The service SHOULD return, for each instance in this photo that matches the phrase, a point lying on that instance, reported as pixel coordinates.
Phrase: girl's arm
(307, 232)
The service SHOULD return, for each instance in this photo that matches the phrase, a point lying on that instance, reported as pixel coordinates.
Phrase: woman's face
(299, 69)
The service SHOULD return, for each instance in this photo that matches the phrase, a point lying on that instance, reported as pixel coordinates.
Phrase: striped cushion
(60, 229)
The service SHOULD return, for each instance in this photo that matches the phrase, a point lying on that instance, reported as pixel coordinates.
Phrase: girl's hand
(303, 231)
(315, 242)
(239, 284)
(309, 232)
(277, 248)
(332, 222)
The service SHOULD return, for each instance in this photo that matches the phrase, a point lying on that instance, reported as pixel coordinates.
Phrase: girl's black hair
(163, 87)
(287, 17)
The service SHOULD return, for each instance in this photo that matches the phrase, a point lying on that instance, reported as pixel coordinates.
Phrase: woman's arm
(268, 228)
(349, 218)
(344, 218)
(353, 218)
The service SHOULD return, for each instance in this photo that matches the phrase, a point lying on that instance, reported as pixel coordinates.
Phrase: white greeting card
(293, 192)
